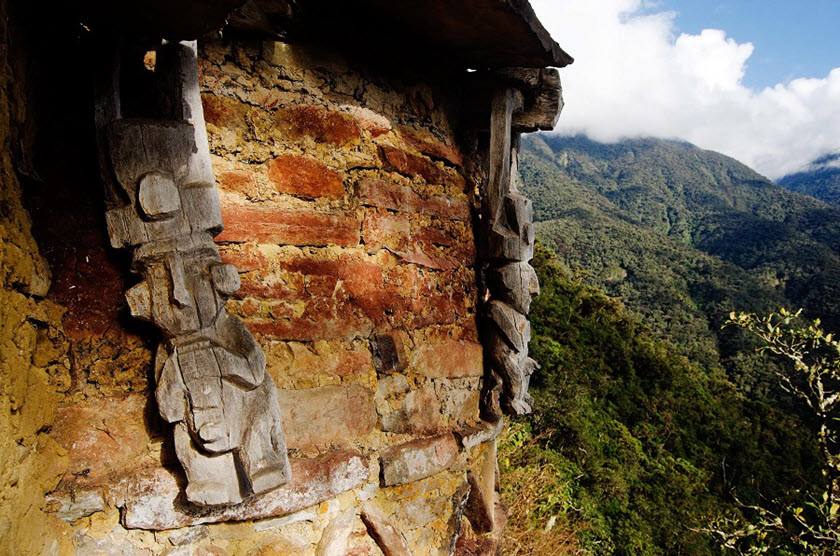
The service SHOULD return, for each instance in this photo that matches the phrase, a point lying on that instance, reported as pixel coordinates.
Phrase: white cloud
(633, 76)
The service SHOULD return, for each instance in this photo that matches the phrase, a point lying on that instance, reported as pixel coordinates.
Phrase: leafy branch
(812, 376)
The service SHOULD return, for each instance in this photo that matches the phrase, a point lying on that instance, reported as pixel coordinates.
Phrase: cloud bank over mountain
(635, 76)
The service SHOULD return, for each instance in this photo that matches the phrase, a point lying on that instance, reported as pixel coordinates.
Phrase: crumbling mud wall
(348, 201)
(31, 462)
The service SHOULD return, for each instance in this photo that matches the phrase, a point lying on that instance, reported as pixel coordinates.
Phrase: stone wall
(347, 195)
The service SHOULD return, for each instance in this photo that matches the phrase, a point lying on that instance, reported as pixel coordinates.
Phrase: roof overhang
(476, 34)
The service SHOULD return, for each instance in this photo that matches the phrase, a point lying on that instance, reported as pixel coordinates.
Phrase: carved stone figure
(163, 205)
(510, 281)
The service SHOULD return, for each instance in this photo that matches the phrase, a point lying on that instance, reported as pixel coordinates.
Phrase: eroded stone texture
(31, 463)
(327, 416)
(417, 459)
(389, 539)
(289, 227)
(304, 177)
(210, 372)
(450, 359)
(334, 539)
(154, 500)
(105, 438)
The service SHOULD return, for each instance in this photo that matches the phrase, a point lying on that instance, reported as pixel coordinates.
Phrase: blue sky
(791, 39)
(756, 80)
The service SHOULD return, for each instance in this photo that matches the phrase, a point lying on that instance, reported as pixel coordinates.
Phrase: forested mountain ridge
(638, 438)
(672, 186)
(684, 236)
(820, 180)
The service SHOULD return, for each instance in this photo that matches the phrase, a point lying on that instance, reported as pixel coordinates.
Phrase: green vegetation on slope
(684, 236)
(642, 445)
(650, 415)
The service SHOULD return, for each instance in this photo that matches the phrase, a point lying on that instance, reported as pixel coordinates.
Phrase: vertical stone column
(162, 204)
(508, 246)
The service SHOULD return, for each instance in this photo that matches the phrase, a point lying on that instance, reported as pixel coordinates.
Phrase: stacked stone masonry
(348, 200)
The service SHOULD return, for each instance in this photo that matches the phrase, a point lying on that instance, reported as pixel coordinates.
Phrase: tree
(812, 376)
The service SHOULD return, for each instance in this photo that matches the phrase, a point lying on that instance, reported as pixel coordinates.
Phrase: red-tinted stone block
(323, 125)
(455, 209)
(435, 236)
(450, 359)
(280, 226)
(237, 180)
(106, 438)
(321, 286)
(244, 257)
(384, 194)
(435, 262)
(396, 160)
(224, 112)
(358, 276)
(304, 177)
(322, 319)
(425, 142)
(417, 459)
(383, 229)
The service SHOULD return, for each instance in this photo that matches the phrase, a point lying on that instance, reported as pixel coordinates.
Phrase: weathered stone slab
(154, 500)
(450, 359)
(411, 165)
(334, 538)
(78, 504)
(481, 504)
(417, 459)
(322, 124)
(425, 142)
(418, 257)
(224, 112)
(420, 413)
(336, 321)
(385, 194)
(382, 229)
(387, 537)
(484, 432)
(327, 416)
(304, 177)
(388, 353)
(296, 365)
(288, 227)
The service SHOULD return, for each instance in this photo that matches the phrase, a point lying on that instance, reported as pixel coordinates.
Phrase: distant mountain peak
(821, 179)
(825, 161)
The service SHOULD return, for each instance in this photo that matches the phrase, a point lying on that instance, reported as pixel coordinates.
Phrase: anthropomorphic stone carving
(510, 281)
(163, 205)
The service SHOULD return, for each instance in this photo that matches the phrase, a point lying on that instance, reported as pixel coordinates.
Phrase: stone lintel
(155, 501)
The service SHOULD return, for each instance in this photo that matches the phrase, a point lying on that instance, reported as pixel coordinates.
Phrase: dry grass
(539, 520)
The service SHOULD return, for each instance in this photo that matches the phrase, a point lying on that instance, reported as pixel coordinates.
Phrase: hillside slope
(684, 236)
(632, 445)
